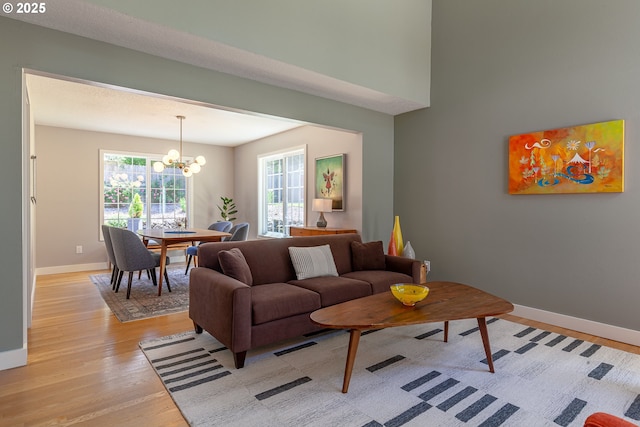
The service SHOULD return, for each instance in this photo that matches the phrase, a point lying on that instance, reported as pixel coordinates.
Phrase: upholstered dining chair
(110, 254)
(192, 251)
(132, 255)
(238, 232)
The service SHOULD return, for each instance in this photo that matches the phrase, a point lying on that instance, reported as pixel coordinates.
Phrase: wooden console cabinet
(315, 231)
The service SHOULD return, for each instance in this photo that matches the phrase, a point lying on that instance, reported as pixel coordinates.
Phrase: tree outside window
(163, 195)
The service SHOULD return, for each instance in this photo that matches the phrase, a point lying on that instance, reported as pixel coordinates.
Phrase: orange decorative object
(392, 250)
(396, 245)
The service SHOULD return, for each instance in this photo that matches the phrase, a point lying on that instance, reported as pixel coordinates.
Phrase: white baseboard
(13, 358)
(603, 330)
(42, 271)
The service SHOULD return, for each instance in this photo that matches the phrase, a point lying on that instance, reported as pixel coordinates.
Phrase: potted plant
(228, 209)
(135, 213)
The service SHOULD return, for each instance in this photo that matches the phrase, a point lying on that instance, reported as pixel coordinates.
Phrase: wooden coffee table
(446, 301)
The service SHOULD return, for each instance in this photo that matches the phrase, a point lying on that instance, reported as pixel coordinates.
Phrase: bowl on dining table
(408, 293)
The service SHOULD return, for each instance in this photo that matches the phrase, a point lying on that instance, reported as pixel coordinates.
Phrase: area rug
(144, 301)
(402, 376)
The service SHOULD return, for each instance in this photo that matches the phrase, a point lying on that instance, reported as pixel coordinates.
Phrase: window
(282, 192)
(129, 182)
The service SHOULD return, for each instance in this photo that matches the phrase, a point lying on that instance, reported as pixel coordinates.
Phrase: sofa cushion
(334, 290)
(367, 256)
(234, 265)
(269, 259)
(314, 261)
(275, 301)
(380, 280)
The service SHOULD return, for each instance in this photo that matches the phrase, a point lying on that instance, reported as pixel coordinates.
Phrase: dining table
(167, 237)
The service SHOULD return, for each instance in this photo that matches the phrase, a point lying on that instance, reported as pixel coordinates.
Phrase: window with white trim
(282, 192)
(134, 196)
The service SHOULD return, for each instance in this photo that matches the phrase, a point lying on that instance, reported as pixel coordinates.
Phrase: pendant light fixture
(174, 157)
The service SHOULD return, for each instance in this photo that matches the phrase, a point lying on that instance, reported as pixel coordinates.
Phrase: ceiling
(92, 107)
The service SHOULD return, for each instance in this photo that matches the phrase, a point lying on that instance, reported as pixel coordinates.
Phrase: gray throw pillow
(367, 256)
(235, 265)
(314, 261)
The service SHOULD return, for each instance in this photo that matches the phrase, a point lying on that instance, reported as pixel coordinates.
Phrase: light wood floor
(85, 367)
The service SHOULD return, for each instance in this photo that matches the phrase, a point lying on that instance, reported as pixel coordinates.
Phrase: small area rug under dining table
(144, 301)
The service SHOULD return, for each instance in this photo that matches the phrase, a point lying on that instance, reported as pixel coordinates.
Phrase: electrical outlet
(78, 249)
(428, 265)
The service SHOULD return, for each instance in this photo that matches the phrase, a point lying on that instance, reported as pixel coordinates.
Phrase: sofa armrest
(221, 305)
(408, 266)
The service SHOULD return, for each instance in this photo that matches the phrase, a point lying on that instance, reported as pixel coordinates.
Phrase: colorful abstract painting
(579, 159)
(330, 180)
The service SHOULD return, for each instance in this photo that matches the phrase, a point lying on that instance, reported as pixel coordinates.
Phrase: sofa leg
(197, 327)
(239, 359)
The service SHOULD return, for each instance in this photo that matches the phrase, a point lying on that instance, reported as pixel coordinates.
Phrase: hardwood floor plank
(85, 367)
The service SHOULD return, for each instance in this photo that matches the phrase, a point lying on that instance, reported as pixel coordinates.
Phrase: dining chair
(132, 255)
(192, 251)
(116, 275)
(238, 232)
(110, 254)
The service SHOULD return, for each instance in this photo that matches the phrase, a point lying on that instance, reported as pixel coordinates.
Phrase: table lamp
(322, 206)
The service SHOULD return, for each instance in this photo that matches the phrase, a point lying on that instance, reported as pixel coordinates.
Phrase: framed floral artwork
(330, 180)
(579, 159)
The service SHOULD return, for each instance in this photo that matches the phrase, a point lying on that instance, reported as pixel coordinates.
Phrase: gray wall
(390, 39)
(504, 67)
(51, 51)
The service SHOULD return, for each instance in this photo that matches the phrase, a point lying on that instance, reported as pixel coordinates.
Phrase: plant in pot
(228, 209)
(135, 213)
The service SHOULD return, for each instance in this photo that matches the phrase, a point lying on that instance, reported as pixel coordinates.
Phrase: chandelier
(174, 157)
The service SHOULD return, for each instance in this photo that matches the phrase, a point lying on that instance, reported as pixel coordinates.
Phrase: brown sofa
(269, 303)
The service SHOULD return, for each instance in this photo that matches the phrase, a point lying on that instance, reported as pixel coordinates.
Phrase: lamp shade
(321, 205)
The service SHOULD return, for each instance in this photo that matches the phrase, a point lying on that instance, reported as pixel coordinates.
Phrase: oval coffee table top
(446, 301)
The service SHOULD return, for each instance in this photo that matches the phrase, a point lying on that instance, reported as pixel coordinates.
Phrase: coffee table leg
(354, 339)
(446, 331)
(482, 325)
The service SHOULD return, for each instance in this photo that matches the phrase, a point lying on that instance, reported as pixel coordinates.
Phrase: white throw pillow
(315, 261)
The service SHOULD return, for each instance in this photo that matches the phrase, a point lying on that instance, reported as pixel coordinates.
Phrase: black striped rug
(402, 376)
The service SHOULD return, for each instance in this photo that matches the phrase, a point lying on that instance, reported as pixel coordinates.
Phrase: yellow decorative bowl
(409, 294)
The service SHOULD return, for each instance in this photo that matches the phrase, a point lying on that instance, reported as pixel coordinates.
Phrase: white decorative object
(408, 251)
